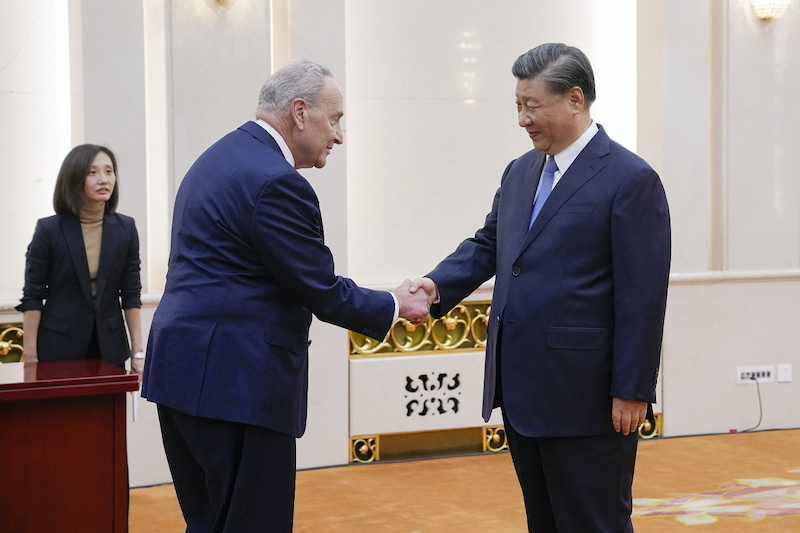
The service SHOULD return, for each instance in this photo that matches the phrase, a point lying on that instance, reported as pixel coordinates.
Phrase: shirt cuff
(396, 309)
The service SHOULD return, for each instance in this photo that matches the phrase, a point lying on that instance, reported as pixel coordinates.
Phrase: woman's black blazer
(57, 282)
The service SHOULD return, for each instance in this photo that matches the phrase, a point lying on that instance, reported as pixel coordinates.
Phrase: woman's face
(100, 181)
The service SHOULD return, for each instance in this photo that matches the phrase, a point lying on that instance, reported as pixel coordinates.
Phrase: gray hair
(560, 67)
(301, 78)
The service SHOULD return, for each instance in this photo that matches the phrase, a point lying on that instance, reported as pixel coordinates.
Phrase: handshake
(415, 304)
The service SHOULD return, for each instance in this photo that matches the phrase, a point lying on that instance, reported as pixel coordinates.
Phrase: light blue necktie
(548, 176)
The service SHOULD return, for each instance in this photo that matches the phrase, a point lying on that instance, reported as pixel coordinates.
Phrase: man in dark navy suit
(227, 356)
(579, 241)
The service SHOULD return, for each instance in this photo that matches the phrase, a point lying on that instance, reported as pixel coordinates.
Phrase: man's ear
(576, 99)
(299, 110)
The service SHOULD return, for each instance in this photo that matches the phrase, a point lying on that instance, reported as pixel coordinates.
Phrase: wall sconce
(220, 6)
(769, 9)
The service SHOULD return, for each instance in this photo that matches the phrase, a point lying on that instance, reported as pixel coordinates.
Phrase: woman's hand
(30, 328)
(29, 355)
(137, 365)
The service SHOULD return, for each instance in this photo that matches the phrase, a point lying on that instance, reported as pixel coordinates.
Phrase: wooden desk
(63, 452)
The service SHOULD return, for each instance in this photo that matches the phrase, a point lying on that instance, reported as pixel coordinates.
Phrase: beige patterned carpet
(709, 484)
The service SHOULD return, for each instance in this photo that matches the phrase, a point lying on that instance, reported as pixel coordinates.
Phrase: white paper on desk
(135, 404)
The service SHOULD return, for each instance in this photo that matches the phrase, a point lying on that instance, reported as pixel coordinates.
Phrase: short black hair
(69, 194)
(560, 67)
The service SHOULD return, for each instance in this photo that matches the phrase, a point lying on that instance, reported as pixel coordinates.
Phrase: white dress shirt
(278, 139)
(567, 156)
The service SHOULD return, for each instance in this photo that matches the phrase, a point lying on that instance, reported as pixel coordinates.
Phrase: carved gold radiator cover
(462, 329)
(10, 343)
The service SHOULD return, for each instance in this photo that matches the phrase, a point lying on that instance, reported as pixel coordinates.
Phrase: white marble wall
(717, 119)
(70, 72)
(431, 117)
(217, 62)
(760, 121)
(108, 96)
(35, 117)
(715, 323)
(674, 119)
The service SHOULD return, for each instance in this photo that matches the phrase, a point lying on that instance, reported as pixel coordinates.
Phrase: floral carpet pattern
(752, 499)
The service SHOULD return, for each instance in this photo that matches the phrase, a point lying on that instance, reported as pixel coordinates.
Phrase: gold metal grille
(494, 439)
(11, 351)
(652, 428)
(462, 329)
(365, 449)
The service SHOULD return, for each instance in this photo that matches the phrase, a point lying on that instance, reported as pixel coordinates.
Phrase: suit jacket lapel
(108, 248)
(71, 228)
(525, 201)
(585, 167)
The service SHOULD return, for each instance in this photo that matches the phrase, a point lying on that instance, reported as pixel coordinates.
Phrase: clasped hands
(415, 304)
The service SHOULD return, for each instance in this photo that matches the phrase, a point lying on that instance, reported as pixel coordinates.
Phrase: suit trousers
(229, 477)
(575, 484)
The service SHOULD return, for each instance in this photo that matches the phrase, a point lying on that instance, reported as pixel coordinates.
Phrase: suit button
(515, 271)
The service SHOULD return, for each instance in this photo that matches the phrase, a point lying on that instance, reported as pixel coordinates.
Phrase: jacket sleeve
(286, 232)
(640, 248)
(471, 264)
(37, 270)
(130, 290)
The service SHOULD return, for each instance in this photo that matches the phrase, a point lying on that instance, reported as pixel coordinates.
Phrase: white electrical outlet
(763, 373)
(784, 373)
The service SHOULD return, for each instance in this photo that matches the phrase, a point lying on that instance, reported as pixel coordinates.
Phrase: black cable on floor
(760, 410)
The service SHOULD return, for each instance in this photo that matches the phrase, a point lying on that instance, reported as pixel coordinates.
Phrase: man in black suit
(579, 241)
(227, 357)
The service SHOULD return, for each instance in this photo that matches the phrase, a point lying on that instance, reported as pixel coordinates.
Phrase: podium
(63, 451)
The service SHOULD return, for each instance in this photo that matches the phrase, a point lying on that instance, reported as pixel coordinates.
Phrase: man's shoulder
(627, 165)
(248, 136)
(605, 146)
(241, 152)
(619, 151)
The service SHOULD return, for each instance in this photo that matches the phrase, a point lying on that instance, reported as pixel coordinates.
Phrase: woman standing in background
(80, 264)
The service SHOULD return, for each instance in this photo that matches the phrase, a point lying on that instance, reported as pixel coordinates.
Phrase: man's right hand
(428, 286)
(414, 306)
